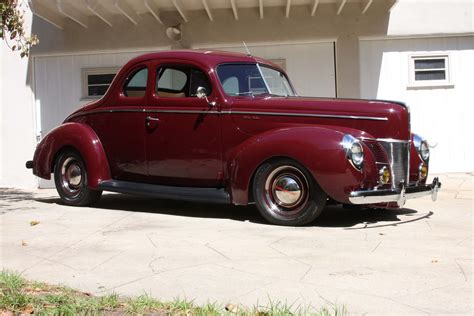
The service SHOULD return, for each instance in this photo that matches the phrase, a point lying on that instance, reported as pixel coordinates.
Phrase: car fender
(81, 138)
(318, 148)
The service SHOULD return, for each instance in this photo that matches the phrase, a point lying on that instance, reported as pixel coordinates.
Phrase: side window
(231, 86)
(171, 83)
(180, 82)
(136, 84)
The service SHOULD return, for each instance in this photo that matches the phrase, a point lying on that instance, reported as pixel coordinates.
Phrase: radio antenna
(247, 49)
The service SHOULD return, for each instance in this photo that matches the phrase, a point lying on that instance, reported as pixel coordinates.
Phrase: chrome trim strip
(385, 140)
(146, 111)
(183, 111)
(354, 117)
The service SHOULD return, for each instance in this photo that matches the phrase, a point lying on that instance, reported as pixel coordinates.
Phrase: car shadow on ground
(10, 196)
(332, 216)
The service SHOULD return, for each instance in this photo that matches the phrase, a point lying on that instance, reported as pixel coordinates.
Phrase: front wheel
(70, 177)
(286, 193)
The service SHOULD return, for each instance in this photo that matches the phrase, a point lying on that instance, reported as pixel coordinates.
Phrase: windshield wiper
(250, 93)
(274, 95)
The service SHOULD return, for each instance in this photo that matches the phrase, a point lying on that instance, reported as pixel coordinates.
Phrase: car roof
(210, 58)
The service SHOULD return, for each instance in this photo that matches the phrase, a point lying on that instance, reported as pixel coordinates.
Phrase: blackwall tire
(286, 193)
(70, 177)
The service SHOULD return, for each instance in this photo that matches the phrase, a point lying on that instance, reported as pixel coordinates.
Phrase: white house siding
(442, 115)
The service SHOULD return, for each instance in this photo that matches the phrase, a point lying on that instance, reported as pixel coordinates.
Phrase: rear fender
(81, 138)
(317, 148)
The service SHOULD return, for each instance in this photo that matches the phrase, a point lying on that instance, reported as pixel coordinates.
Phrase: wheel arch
(80, 138)
(325, 160)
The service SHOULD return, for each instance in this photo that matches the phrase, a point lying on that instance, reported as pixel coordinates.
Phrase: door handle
(150, 119)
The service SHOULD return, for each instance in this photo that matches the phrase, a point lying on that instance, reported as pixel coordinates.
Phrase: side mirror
(201, 93)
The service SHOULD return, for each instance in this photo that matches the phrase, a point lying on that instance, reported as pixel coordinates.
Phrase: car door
(120, 125)
(184, 141)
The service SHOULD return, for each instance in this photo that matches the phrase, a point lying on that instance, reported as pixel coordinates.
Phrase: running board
(208, 195)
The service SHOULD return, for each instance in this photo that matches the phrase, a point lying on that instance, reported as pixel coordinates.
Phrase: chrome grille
(398, 157)
(378, 150)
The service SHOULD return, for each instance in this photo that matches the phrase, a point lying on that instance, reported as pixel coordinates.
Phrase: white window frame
(94, 71)
(429, 84)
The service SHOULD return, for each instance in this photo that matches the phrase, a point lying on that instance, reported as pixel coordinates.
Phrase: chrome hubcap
(71, 177)
(286, 191)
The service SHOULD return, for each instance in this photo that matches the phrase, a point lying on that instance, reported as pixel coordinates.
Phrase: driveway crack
(216, 251)
(375, 248)
(461, 269)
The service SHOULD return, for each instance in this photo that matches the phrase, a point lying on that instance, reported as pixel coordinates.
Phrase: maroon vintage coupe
(222, 127)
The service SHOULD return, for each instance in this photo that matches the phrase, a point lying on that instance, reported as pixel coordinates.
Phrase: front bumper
(399, 196)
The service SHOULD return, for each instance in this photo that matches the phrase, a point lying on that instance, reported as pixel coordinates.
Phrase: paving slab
(416, 260)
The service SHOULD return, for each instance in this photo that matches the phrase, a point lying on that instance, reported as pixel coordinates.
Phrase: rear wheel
(286, 193)
(70, 177)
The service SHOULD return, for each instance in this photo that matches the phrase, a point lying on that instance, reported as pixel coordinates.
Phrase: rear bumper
(399, 196)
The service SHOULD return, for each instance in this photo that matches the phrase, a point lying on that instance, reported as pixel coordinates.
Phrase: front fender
(318, 148)
(82, 138)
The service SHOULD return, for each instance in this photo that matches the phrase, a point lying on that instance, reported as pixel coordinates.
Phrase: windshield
(252, 80)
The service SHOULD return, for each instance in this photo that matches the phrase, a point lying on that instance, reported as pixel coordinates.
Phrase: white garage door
(60, 90)
(441, 111)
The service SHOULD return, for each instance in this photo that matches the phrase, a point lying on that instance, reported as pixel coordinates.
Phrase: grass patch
(20, 296)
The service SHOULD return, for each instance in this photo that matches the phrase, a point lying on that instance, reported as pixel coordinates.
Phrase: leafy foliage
(12, 27)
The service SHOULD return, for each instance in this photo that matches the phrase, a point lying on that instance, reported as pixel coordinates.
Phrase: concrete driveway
(416, 260)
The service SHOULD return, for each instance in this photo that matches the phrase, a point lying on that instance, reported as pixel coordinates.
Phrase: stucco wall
(1, 110)
(16, 119)
(431, 17)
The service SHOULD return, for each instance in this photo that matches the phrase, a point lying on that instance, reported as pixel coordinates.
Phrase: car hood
(377, 118)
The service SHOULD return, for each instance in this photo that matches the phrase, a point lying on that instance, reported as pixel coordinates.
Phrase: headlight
(354, 151)
(425, 151)
(422, 147)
